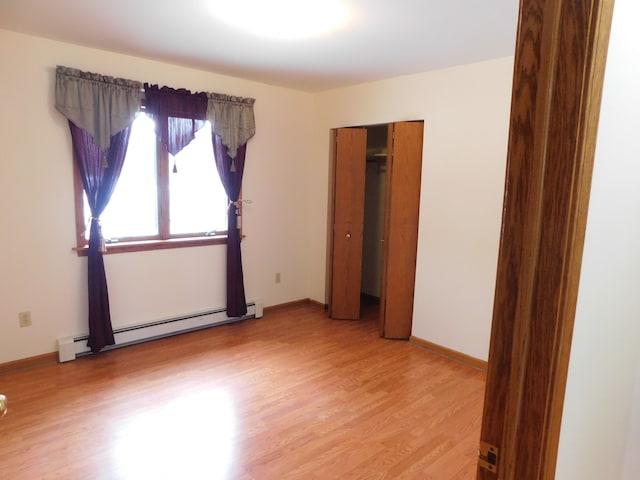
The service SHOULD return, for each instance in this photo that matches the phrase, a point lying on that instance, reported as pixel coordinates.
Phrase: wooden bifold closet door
(350, 149)
(404, 166)
(402, 203)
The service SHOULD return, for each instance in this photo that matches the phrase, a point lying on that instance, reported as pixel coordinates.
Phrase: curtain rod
(221, 97)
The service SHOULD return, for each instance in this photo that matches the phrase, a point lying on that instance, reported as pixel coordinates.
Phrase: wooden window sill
(145, 245)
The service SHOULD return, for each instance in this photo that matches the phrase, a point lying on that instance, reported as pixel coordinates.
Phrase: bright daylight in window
(197, 203)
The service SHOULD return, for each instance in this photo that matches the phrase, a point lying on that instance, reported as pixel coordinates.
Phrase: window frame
(164, 239)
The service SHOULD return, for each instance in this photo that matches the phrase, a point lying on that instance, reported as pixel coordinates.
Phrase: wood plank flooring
(293, 395)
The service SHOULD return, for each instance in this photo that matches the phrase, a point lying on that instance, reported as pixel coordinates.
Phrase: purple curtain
(230, 171)
(99, 171)
(178, 114)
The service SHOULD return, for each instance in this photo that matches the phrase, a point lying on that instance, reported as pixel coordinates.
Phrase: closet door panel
(401, 238)
(348, 222)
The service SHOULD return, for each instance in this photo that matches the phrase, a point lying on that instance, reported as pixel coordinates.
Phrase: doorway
(552, 138)
(375, 199)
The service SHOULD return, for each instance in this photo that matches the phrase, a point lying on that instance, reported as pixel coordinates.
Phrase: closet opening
(375, 203)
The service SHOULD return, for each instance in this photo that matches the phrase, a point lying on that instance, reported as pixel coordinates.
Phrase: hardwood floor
(293, 395)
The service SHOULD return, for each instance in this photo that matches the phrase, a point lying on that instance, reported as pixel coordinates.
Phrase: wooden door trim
(330, 219)
(385, 229)
(558, 75)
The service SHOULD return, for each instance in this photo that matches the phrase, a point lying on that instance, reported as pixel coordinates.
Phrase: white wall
(600, 435)
(38, 270)
(466, 115)
(465, 109)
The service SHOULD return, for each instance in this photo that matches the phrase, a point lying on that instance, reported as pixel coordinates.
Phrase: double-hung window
(160, 200)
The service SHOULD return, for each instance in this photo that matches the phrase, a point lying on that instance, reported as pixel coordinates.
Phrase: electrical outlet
(25, 319)
(278, 277)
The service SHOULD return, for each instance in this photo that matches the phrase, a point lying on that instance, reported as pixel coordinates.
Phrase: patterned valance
(232, 119)
(178, 114)
(103, 106)
(98, 104)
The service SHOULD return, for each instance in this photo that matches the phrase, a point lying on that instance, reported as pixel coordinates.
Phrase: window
(161, 201)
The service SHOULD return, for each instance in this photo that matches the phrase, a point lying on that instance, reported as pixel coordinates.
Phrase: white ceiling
(383, 39)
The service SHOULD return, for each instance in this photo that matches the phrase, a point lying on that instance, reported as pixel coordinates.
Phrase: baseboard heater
(70, 348)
